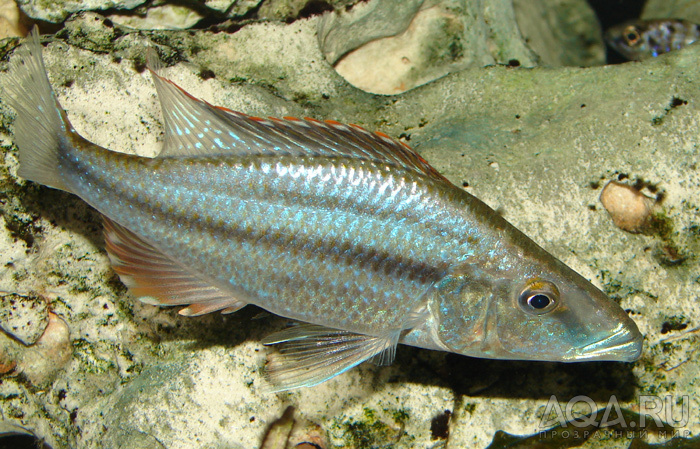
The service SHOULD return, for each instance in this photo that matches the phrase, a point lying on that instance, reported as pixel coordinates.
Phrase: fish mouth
(624, 345)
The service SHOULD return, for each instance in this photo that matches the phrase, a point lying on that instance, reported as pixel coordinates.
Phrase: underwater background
(519, 102)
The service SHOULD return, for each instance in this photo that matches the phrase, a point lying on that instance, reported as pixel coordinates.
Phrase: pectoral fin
(311, 354)
(157, 280)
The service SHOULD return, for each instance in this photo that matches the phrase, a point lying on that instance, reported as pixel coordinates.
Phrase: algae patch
(372, 432)
(90, 359)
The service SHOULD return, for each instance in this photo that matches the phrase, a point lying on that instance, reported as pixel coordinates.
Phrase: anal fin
(158, 280)
(311, 354)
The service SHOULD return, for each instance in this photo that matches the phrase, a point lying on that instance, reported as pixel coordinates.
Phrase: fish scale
(283, 225)
(348, 231)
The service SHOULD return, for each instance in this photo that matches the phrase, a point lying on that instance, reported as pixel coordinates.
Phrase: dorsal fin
(195, 128)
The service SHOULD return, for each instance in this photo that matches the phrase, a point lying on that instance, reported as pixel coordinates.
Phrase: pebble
(629, 208)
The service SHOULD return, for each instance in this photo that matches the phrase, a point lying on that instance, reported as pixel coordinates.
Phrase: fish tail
(41, 128)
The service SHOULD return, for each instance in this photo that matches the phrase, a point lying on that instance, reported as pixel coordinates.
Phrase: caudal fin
(40, 129)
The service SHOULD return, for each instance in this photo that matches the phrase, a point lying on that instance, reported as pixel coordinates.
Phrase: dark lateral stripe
(366, 258)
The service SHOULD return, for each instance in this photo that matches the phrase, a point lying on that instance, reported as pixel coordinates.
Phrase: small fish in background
(347, 230)
(642, 39)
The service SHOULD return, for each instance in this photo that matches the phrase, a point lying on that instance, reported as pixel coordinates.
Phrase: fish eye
(631, 35)
(539, 297)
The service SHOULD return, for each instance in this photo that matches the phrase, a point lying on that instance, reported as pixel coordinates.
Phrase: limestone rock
(561, 32)
(23, 317)
(388, 47)
(162, 17)
(52, 351)
(288, 10)
(12, 24)
(57, 11)
(672, 9)
(233, 8)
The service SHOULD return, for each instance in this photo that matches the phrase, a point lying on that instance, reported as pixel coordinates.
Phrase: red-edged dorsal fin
(195, 128)
(156, 279)
(332, 138)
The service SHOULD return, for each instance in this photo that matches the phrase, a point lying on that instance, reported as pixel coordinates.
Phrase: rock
(289, 10)
(561, 32)
(432, 39)
(277, 437)
(388, 47)
(94, 31)
(164, 17)
(532, 143)
(58, 10)
(11, 22)
(340, 33)
(40, 362)
(23, 317)
(49, 355)
(628, 207)
(234, 8)
(671, 9)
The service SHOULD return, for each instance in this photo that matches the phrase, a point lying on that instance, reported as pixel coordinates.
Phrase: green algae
(7, 46)
(371, 432)
(674, 103)
(668, 253)
(290, 10)
(23, 228)
(91, 361)
(616, 288)
(400, 416)
(367, 434)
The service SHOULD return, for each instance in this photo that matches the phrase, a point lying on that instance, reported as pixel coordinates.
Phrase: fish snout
(623, 345)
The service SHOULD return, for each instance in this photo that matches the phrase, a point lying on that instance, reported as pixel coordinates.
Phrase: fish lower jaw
(625, 345)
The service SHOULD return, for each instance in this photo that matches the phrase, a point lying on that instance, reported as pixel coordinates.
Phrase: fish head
(628, 39)
(642, 39)
(544, 311)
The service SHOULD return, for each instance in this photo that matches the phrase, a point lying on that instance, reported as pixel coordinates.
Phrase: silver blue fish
(346, 230)
(642, 39)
